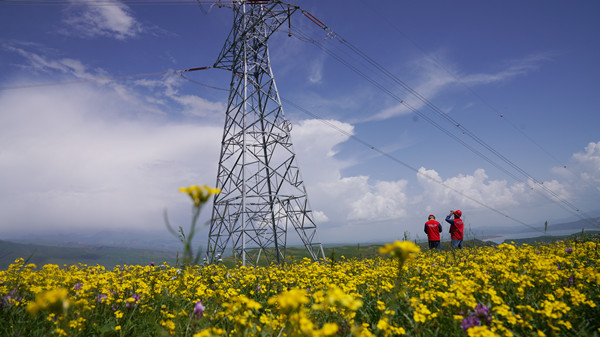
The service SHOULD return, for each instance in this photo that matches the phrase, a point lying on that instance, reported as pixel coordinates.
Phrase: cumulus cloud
(384, 200)
(342, 199)
(590, 163)
(93, 20)
(477, 191)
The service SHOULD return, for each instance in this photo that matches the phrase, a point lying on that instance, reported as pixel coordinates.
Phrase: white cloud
(316, 69)
(513, 69)
(198, 106)
(162, 91)
(74, 161)
(470, 191)
(385, 200)
(93, 20)
(87, 155)
(319, 217)
(70, 160)
(342, 199)
(39, 63)
(590, 163)
(433, 79)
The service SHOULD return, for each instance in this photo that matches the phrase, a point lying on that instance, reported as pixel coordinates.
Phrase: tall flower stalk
(402, 251)
(199, 196)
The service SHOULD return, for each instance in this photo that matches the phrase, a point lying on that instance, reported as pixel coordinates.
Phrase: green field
(112, 256)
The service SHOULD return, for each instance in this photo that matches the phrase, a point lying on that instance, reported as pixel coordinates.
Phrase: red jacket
(456, 229)
(433, 229)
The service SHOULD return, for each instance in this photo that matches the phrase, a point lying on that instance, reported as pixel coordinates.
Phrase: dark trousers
(435, 245)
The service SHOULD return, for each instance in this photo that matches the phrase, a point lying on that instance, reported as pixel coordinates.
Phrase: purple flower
(10, 299)
(198, 310)
(483, 313)
(470, 322)
(101, 297)
(476, 318)
(344, 329)
(569, 250)
(78, 286)
(136, 299)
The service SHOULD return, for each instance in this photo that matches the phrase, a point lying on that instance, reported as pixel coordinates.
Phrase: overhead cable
(554, 197)
(393, 158)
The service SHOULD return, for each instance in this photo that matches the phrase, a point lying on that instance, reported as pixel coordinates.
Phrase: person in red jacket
(456, 228)
(433, 230)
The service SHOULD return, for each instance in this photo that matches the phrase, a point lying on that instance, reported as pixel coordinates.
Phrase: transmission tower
(262, 192)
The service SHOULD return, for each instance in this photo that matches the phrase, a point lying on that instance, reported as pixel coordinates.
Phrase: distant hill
(552, 238)
(576, 225)
(90, 255)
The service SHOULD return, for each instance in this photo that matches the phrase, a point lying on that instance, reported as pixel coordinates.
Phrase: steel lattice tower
(262, 192)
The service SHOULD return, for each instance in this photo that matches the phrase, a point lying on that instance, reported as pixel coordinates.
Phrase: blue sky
(106, 150)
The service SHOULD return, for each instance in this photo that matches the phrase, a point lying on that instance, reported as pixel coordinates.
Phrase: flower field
(537, 290)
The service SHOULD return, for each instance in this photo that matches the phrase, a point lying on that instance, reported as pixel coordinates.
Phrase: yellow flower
(329, 329)
(481, 331)
(383, 324)
(289, 300)
(211, 332)
(421, 313)
(402, 250)
(199, 194)
(54, 301)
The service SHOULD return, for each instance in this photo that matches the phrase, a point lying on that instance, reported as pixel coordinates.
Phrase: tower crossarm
(267, 17)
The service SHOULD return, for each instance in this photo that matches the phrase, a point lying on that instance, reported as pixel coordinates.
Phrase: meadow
(549, 289)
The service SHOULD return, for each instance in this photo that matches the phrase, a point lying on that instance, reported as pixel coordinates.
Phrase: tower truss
(262, 191)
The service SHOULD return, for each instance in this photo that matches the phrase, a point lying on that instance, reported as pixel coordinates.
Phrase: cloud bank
(104, 155)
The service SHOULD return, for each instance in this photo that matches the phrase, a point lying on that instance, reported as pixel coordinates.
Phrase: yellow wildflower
(290, 300)
(199, 194)
(481, 331)
(402, 250)
(54, 301)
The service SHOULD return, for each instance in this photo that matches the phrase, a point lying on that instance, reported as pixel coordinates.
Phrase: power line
(565, 204)
(389, 156)
(331, 34)
(458, 80)
(432, 122)
(398, 161)
(307, 112)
